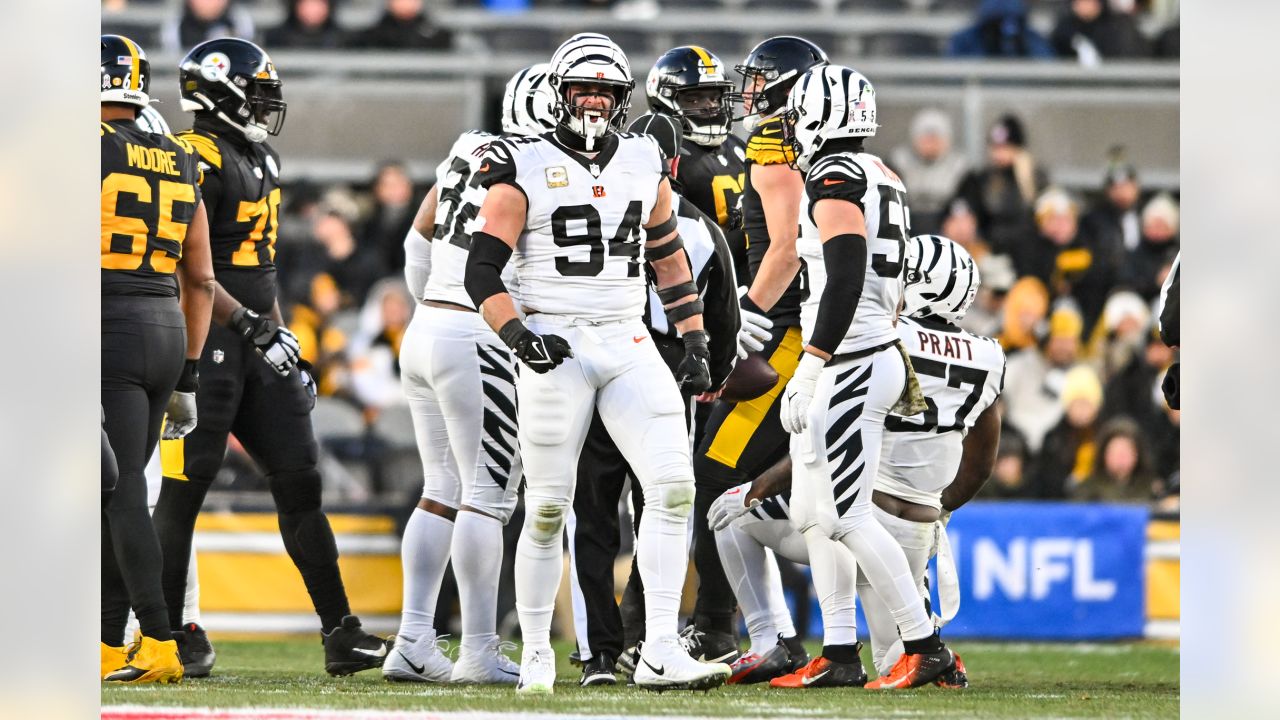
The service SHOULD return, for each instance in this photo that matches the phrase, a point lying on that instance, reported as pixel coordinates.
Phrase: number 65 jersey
(961, 375)
(862, 179)
(580, 251)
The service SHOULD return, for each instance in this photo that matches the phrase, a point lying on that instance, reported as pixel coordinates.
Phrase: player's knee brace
(544, 520)
(295, 491)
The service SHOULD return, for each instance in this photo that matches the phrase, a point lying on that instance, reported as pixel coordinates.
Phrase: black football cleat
(599, 670)
(195, 650)
(751, 668)
(795, 649)
(954, 679)
(915, 669)
(349, 649)
(709, 645)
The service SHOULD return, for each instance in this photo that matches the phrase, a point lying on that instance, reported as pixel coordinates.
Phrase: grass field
(1007, 680)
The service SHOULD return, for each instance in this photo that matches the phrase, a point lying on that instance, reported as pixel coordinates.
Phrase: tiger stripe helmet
(590, 58)
(527, 101)
(828, 102)
(941, 278)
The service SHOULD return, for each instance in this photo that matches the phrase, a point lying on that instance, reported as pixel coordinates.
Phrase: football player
(602, 469)
(155, 239)
(252, 386)
(744, 439)
(852, 373)
(932, 462)
(688, 83)
(460, 382)
(577, 207)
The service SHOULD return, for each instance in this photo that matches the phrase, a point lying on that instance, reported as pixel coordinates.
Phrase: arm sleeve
(417, 262)
(720, 316)
(845, 257)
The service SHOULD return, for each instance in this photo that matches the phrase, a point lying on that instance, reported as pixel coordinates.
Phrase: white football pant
(459, 380)
(616, 370)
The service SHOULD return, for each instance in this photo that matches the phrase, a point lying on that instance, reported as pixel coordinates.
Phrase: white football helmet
(941, 278)
(590, 58)
(527, 101)
(826, 103)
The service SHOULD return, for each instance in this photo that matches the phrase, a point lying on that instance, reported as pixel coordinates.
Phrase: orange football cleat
(821, 672)
(914, 670)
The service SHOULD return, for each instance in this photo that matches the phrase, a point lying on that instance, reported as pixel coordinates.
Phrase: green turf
(1007, 680)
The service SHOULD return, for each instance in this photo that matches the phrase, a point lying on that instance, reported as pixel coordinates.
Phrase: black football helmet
(126, 74)
(235, 81)
(689, 84)
(780, 61)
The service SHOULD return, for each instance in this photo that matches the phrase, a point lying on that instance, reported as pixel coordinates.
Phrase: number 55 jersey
(961, 375)
(583, 240)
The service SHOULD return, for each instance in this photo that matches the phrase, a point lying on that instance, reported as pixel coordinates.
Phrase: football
(751, 378)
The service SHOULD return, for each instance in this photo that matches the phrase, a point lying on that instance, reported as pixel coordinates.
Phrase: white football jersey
(865, 181)
(695, 232)
(583, 241)
(459, 199)
(961, 375)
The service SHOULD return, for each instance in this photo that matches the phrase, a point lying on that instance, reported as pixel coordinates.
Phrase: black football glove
(307, 375)
(693, 374)
(540, 353)
(276, 344)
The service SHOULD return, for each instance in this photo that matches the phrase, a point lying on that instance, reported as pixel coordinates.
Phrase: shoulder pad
(837, 177)
(205, 146)
(765, 146)
(186, 146)
(105, 129)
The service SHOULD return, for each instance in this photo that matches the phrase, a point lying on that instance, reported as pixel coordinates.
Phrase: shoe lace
(446, 648)
(691, 639)
(502, 647)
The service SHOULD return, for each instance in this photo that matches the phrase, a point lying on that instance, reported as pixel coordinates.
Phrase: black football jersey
(711, 179)
(765, 147)
(242, 196)
(150, 192)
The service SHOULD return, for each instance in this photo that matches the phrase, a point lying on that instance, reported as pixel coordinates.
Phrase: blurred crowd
(1088, 31)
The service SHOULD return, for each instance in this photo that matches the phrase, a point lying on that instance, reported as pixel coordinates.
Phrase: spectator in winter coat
(404, 26)
(1003, 192)
(202, 20)
(1090, 30)
(309, 24)
(1000, 31)
(930, 167)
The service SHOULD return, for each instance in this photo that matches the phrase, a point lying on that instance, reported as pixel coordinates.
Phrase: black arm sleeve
(498, 166)
(845, 257)
(720, 316)
(485, 261)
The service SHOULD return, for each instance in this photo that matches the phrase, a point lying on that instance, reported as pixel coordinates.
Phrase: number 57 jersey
(961, 375)
(580, 251)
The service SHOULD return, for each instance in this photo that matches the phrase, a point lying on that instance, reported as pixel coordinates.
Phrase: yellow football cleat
(152, 661)
(113, 658)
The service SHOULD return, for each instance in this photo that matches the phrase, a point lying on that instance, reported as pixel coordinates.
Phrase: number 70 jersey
(583, 241)
(861, 179)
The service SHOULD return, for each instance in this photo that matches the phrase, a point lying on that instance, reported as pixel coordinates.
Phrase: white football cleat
(421, 660)
(487, 666)
(537, 671)
(665, 665)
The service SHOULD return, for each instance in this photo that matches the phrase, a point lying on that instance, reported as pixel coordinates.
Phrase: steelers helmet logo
(214, 66)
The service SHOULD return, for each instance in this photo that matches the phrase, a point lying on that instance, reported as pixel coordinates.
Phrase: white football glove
(731, 505)
(754, 332)
(794, 411)
(180, 415)
(282, 352)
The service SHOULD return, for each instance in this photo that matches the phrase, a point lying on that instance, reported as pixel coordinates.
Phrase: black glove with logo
(540, 353)
(693, 374)
(276, 344)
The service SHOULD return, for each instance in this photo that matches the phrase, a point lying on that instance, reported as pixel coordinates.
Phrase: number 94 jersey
(961, 375)
(865, 181)
(583, 240)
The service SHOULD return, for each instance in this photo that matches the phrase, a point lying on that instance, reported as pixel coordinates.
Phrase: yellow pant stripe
(736, 430)
(173, 460)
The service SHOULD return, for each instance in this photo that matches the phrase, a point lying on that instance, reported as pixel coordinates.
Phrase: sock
(834, 572)
(191, 606)
(841, 653)
(778, 600)
(539, 566)
(477, 562)
(746, 564)
(915, 539)
(881, 558)
(662, 552)
(423, 556)
(927, 644)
